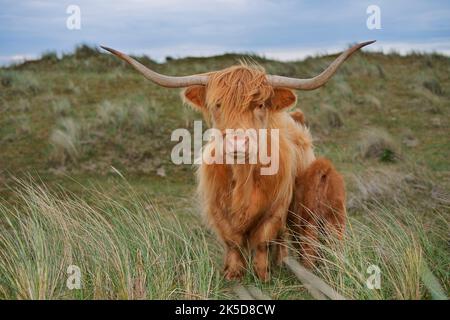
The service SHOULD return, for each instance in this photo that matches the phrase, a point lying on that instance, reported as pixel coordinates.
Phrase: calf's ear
(283, 98)
(194, 96)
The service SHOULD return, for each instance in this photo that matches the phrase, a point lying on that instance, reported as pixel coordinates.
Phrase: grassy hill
(84, 138)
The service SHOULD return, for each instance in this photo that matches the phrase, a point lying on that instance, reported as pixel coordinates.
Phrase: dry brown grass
(377, 143)
(65, 141)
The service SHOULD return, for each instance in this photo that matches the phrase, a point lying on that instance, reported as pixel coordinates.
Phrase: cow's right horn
(317, 81)
(162, 80)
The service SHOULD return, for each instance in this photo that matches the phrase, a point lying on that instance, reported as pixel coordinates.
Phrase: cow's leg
(234, 261)
(266, 231)
(280, 248)
(234, 264)
(214, 187)
(261, 261)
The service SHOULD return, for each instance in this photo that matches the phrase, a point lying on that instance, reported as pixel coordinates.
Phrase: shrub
(85, 51)
(50, 56)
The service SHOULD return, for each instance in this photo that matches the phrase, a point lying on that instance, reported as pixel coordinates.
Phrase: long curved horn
(317, 81)
(162, 80)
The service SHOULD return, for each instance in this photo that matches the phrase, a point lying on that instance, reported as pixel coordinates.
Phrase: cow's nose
(236, 144)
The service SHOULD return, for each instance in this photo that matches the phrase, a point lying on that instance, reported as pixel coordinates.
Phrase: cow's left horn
(317, 81)
(162, 80)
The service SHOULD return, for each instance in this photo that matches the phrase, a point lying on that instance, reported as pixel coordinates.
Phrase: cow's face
(239, 97)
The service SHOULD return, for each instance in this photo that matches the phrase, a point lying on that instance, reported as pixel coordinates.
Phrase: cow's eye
(261, 106)
(218, 105)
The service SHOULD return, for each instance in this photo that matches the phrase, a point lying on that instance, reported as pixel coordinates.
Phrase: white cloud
(18, 58)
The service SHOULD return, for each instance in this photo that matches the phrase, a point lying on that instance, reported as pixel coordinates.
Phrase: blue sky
(284, 29)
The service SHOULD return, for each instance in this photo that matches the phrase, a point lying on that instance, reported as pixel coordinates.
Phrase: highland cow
(248, 210)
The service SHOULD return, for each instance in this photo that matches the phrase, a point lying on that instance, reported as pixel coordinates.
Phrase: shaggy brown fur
(246, 209)
(318, 204)
(298, 116)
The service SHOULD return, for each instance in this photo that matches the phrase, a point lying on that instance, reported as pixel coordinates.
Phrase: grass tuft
(434, 86)
(61, 107)
(376, 143)
(65, 141)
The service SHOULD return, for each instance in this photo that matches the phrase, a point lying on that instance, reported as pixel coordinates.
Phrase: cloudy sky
(284, 29)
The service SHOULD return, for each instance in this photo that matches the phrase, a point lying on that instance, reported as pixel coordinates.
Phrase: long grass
(125, 247)
(393, 242)
(128, 248)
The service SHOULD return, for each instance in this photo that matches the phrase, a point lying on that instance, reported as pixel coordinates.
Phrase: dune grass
(392, 243)
(65, 140)
(128, 248)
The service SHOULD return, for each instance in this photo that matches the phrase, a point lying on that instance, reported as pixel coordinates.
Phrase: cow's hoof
(281, 253)
(233, 274)
(262, 274)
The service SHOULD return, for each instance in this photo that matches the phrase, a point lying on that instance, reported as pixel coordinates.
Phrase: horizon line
(160, 54)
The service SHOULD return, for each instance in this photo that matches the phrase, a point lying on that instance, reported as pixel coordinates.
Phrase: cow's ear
(195, 96)
(283, 98)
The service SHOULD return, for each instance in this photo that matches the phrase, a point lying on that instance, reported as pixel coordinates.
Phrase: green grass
(384, 121)
(125, 247)
(129, 248)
